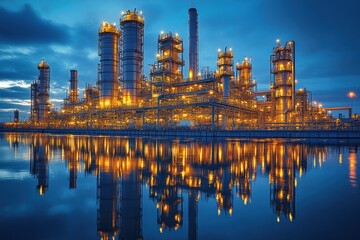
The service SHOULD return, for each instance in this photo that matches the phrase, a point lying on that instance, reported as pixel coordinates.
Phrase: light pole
(351, 95)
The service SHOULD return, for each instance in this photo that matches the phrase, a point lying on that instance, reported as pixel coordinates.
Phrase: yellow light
(41, 191)
(190, 74)
(351, 94)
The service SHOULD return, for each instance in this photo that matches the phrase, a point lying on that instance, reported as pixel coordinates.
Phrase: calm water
(82, 187)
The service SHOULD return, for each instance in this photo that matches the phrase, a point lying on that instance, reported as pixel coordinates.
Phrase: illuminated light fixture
(141, 12)
(278, 41)
(219, 49)
(162, 32)
(122, 12)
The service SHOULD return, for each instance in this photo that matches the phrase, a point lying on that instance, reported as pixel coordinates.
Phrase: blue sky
(64, 33)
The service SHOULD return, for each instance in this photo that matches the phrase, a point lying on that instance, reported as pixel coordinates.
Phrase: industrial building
(226, 98)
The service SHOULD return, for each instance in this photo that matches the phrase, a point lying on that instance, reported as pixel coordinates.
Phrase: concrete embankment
(289, 134)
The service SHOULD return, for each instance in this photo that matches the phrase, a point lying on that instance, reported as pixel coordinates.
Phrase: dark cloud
(326, 32)
(25, 27)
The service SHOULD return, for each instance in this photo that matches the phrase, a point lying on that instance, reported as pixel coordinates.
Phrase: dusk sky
(65, 34)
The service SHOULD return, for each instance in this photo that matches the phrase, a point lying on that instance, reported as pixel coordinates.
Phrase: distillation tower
(225, 70)
(169, 66)
(283, 81)
(109, 64)
(132, 27)
(40, 103)
(73, 91)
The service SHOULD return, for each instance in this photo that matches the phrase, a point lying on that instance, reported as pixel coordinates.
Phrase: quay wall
(290, 134)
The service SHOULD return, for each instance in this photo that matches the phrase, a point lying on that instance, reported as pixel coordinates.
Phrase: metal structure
(193, 44)
(16, 116)
(124, 99)
(169, 66)
(132, 27)
(109, 64)
(283, 81)
(225, 70)
(244, 75)
(44, 87)
(73, 91)
(34, 102)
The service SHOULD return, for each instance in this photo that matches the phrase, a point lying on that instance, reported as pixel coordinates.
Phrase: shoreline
(288, 134)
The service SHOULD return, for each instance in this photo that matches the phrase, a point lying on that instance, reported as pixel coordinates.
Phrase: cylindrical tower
(283, 72)
(109, 64)
(34, 103)
(168, 68)
(193, 44)
(225, 70)
(244, 74)
(73, 93)
(16, 116)
(132, 27)
(44, 87)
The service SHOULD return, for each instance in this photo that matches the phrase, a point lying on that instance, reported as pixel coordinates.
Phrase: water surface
(87, 187)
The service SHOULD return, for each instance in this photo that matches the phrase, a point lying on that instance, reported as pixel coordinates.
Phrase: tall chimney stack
(193, 44)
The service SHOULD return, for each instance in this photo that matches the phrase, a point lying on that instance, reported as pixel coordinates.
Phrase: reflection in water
(108, 200)
(352, 166)
(39, 166)
(175, 170)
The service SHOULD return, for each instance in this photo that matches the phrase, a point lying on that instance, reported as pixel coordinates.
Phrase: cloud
(7, 109)
(61, 49)
(14, 83)
(15, 101)
(25, 26)
(56, 100)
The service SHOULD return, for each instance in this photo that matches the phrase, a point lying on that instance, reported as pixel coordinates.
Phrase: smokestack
(193, 44)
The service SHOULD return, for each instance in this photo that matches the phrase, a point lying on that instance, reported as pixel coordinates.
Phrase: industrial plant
(226, 98)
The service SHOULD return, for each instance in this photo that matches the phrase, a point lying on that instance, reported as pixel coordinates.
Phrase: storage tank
(132, 27)
(109, 64)
(44, 87)
(193, 44)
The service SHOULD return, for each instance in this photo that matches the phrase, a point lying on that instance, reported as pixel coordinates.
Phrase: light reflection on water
(170, 182)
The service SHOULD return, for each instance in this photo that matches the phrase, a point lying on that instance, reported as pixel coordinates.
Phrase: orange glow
(352, 169)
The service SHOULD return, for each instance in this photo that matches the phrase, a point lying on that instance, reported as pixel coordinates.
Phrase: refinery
(224, 99)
